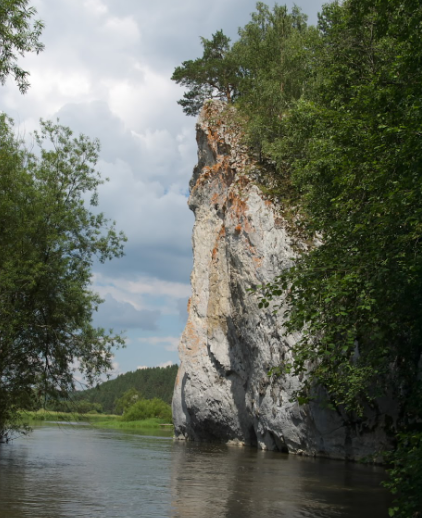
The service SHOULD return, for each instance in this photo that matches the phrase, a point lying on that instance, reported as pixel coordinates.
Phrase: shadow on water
(233, 482)
(82, 472)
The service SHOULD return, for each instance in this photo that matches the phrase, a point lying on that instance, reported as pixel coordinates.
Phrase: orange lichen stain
(268, 203)
(191, 339)
(238, 229)
(206, 174)
(221, 235)
(228, 173)
(177, 382)
(238, 206)
(216, 168)
(243, 181)
(213, 137)
(189, 304)
(208, 171)
(257, 261)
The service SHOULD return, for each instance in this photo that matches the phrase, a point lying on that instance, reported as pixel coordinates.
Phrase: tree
(353, 148)
(148, 408)
(273, 57)
(355, 155)
(49, 240)
(18, 35)
(129, 398)
(211, 77)
(151, 382)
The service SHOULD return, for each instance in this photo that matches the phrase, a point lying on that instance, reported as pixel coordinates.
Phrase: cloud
(141, 292)
(166, 364)
(150, 286)
(169, 343)
(148, 171)
(123, 315)
(111, 80)
(80, 381)
(95, 7)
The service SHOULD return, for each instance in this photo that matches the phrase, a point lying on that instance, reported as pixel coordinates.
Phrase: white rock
(223, 391)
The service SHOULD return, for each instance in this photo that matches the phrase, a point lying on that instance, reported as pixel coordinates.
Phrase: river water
(82, 472)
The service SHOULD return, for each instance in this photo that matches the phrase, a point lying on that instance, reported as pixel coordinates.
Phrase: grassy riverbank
(97, 420)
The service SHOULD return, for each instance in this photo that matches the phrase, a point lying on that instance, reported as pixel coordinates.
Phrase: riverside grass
(97, 420)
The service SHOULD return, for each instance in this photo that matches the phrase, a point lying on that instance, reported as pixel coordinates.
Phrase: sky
(105, 72)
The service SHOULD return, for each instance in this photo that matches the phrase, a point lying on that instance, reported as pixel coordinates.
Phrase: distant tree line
(150, 383)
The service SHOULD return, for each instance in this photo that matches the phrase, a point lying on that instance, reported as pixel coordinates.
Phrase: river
(83, 472)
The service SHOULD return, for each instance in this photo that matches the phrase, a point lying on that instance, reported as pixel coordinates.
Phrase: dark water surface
(81, 472)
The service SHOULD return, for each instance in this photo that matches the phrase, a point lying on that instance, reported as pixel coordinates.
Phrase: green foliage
(148, 408)
(263, 71)
(51, 415)
(211, 77)
(274, 66)
(49, 238)
(81, 406)
(129, 398)
(154, 382)
(18, 35)
(335, 114)
(146, 426)
(405, 472)
(352, 151)
(354, 156)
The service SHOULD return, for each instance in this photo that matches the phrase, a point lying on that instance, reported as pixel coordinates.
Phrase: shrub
(147, 408)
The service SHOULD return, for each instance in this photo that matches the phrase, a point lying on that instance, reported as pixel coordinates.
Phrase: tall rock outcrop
(223, 391)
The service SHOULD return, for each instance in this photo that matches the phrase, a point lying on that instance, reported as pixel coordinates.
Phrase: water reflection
(233, 482)
(68, 472)
(80, 472)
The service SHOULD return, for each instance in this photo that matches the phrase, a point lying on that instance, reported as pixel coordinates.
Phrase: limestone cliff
(223, 391)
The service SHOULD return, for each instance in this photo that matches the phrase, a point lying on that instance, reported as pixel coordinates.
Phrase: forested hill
(154, 382)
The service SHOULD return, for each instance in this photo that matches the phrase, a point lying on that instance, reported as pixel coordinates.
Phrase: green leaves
(405, 475)
(49, 240)
(147, 408)
(129, 398)
(262, 72)
(214, 76)
(273, 71)
(17, 37)
(350, 151)
(346, 149)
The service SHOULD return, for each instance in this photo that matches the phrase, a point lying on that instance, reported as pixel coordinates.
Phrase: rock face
(223, 391)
